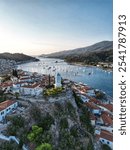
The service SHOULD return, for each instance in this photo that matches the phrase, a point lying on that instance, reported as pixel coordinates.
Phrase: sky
(36, 27)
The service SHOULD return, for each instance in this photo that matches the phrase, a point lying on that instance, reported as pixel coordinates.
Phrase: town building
(7, 107)
(105, 137)
(58, 80)
(32, 90)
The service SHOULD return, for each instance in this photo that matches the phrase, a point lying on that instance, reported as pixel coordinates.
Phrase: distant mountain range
(99, 52)
(18, 57)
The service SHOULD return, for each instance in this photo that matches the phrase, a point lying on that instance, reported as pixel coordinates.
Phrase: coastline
(88, 65)
(7, 69)
(102, 65)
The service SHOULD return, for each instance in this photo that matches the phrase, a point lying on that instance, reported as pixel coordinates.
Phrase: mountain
(99, 52)
(18, 57)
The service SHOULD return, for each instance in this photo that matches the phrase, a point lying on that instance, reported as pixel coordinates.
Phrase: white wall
(7, 110)
(107, 142)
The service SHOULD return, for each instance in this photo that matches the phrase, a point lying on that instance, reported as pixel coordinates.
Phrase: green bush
(35, 134)
(53, 91)
(44, 146)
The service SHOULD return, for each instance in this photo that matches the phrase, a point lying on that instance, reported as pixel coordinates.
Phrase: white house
(25, 79)
(84, 98)
(106, 137)
(58, 80)
(93, 108)
(6, 107)
(32, 90)
(19, 84)
(6, 86)
(14, 79)
(93, 119)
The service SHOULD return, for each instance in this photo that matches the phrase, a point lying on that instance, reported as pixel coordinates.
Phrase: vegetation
(90, 145)
(99, 94)
(9, 146)
(35, 134)
(2, 96)
(17, 95)
(46, 122)
(78, 100)
(17, 57)
(14, 73)
(99, 52)
(105, 147)
(35, 113)
(17, 122)
(5, 78)
(44, 146)
(47, 130)
(53, 91)
(63, 123)
(92, 58)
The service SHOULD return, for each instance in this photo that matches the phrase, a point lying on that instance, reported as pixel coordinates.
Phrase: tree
(44, 146)
(90, 145)
(15, 74)
(105, 147)
(16, 95)
(35, 113)
(35, 134)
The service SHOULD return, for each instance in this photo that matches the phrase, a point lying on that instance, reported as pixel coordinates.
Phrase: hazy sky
(45, 26)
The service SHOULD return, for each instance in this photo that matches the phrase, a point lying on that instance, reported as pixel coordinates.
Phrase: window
(108, 142)
(2, 112)
(103, 141)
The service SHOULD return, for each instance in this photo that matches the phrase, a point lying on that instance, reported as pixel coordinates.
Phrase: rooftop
(5, 104)
(91, 105)
(106, 135)
(107, 119)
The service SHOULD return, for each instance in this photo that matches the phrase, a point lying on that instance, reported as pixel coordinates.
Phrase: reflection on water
(93, 76)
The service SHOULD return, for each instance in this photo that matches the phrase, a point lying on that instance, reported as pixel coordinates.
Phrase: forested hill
(18, 57)
(99, 52)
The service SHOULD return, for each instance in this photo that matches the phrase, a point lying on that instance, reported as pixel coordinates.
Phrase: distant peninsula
(9, 60)
(100, 53)
(18, 57)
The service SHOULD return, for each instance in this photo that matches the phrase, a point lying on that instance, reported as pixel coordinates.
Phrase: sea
(94, 77)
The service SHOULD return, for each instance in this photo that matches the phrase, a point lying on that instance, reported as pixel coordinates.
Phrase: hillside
(8, 61)
(18, 57)
(57, 121)
(99, 52)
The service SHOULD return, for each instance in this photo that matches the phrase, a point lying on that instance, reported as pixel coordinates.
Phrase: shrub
(46, 122)
(63, 123)
(44, 146)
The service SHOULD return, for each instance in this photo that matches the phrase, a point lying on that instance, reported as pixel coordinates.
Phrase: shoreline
(99, 65)
(87, 65)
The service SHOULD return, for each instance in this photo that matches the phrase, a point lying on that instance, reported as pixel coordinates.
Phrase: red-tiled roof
(20, 82)
(31, 86)
(94, 100)
(92, 117)
(25, 78)
(106, 135)
(91, 105)
(5, 104)
(107, 119)
(107, 106)
(6, 84)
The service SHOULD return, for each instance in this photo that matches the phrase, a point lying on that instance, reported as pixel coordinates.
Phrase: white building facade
(58, 80)
(7, 107)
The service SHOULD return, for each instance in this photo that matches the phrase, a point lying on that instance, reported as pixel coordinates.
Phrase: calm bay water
(92, 76)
